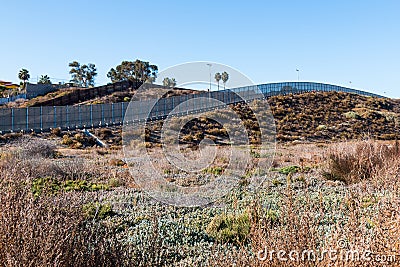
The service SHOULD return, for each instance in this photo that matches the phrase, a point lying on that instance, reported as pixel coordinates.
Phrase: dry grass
(49, 230)
(352, 163)
(52, 229)
(365, 219)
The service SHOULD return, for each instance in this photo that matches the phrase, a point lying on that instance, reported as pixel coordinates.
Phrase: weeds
(50, 230)
(35, 147)
(233, 228)
(214, 170)
(289, 169)
(54, 186)
(97, 211)
(352, 163)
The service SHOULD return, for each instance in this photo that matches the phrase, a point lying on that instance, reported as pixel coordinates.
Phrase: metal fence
(5, 100)
(100, 115)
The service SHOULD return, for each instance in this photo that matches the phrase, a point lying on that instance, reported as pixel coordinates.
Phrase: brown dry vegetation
(308, 117)
(43, 227)
(303, 213)
(79, 96)
(66, 206)
(334, 116)
(366, 218)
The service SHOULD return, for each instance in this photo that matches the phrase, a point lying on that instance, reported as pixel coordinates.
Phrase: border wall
(44, 118)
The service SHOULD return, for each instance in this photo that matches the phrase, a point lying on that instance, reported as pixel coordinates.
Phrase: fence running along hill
(5, 100)
(83, 94)
(86, 116)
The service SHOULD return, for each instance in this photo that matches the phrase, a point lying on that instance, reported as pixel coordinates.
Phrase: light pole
(209, 68)
(298, 74)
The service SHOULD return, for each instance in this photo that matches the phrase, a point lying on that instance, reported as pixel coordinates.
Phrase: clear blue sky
(329, 41)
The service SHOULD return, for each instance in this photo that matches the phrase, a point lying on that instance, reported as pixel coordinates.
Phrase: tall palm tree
(225, 78)
(218, 78)
(24, 76)
(44, 79)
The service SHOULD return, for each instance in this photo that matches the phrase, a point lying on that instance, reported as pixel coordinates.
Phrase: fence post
(79, 115)
(55, 116)
(102, 113)
(122, 113)
(12, 120)
(27, 119)
(140, 108)
(66, 115)
(112, 112)
(187, 105)
(41, 118)
(91, 114)
(165, 106)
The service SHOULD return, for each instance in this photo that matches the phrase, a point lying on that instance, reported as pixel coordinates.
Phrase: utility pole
(298, 74)
(209, 69)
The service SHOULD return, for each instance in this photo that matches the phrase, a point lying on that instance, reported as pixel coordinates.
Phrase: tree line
(83, 75)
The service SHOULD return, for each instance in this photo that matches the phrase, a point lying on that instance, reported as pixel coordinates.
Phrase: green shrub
(276, 182)
(67, 140)
(114, 182)
(271, 215)
(53, 186)
(97, 210)
(44, 184)
(233, 228)
(167, 171)
(255, 154)
(79, 137)
(214, 170)
(352, 115)
(289, 169)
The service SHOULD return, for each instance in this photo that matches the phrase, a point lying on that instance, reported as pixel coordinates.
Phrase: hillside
(334, 116)
(308, 117)
(95, 95)
(315, 116)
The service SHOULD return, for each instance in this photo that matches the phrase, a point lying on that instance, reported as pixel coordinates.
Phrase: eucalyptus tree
(136, 71)
(82, 75)
(169, 82)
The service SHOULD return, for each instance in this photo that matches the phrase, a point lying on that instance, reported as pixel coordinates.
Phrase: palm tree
(24, 76)
(218, 78)
(44, 79)
(225, 78)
